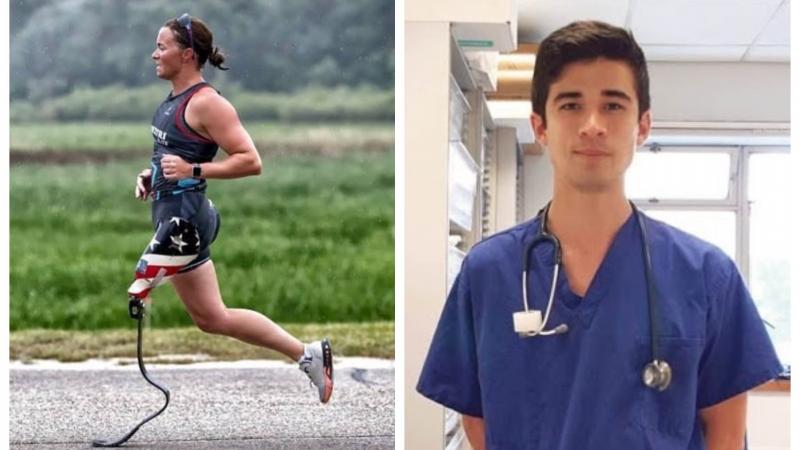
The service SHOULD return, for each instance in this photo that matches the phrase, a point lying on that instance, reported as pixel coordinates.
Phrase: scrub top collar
(567, 303)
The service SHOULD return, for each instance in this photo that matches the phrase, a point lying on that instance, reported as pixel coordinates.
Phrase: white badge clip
(527, 322)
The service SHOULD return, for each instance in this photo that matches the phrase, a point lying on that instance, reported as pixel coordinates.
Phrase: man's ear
(645, 124)
(539, 128)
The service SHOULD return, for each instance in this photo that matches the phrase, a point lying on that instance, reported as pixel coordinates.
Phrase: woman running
(187, 128)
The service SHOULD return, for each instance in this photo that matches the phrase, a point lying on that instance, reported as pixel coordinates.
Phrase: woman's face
(169, 56)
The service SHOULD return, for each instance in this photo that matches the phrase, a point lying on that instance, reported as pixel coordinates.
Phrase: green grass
(135, 136)
(374, 339)
(310, 240)
(312, 104)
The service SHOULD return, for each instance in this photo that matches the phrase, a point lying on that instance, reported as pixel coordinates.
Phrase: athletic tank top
(173, 136)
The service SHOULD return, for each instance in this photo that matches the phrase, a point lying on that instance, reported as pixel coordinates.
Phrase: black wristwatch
(197, 171)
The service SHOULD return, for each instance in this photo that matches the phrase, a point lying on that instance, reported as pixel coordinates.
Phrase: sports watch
(197, 171)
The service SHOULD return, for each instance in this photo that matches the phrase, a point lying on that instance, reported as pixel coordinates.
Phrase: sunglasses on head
(186, 22)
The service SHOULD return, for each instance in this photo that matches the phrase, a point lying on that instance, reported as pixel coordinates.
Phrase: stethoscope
(657, 374)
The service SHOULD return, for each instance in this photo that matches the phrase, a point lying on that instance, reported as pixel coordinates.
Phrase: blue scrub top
(583, 389)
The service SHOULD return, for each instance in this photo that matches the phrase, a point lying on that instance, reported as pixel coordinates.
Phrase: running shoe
(317, 363)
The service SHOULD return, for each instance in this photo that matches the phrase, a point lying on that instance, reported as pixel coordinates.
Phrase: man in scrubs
(584, 389)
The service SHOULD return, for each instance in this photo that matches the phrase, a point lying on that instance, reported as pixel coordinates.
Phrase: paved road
(230, 406)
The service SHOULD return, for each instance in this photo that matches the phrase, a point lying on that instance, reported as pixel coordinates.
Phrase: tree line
(271, 45)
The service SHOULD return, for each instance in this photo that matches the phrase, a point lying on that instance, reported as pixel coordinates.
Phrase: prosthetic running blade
(136, 309)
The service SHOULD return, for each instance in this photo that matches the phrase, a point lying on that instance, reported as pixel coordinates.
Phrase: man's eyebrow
(617, 94)
(567, 95)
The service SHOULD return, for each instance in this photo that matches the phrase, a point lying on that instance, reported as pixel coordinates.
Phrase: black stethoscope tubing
(657, 368)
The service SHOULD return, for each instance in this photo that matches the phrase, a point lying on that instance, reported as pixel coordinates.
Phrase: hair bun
(217, 58)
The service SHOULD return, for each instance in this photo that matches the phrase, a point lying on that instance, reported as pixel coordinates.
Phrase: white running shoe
(317, 363)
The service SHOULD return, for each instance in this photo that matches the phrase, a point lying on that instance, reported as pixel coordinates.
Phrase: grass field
(133, 136)
(310, 240)
(374, 339)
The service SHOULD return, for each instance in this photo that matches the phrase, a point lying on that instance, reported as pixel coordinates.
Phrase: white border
(794, 240)
(399, 229)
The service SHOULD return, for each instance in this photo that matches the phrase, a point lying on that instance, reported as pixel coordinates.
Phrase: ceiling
(675, 30)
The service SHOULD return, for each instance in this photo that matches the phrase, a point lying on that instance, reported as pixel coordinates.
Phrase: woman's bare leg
(198, 289)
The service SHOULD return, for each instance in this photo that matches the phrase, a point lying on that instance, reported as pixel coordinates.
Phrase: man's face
(592, 127)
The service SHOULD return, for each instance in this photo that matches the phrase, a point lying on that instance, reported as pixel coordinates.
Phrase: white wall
(538, 173)
(768, 421)
(427, 45)
(720, 92)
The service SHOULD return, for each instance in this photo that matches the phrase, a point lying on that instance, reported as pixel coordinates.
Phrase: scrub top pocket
(516, 397)
(671, 413)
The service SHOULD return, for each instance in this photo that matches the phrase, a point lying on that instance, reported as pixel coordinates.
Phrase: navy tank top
(173, 136)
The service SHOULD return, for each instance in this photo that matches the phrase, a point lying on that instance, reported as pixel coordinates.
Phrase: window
(735, 198)
(768, 187)
(690, 174)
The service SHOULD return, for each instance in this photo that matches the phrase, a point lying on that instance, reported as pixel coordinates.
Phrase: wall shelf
(460, 69)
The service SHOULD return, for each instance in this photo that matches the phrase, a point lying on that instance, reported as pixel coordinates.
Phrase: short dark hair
(587, 41)
(202, 41)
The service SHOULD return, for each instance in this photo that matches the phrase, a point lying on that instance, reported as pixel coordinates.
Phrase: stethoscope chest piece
(657, 375)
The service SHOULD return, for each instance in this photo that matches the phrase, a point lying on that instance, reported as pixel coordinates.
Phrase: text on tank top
(172, 135)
